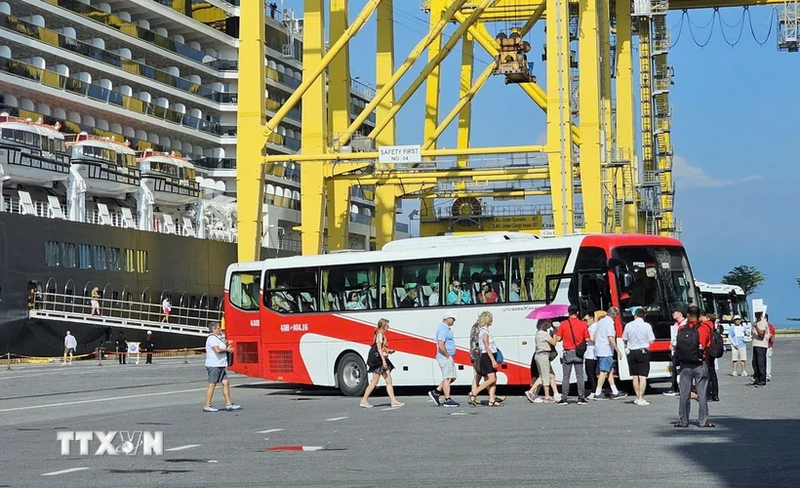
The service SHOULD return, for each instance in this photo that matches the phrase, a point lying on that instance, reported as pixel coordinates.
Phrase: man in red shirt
(694, 369)
(572, 332)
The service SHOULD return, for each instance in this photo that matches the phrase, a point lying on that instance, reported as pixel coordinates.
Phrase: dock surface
(291, 436)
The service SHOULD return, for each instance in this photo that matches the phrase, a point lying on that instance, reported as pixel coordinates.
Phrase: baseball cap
(449, 315)
(149, 332)
(736, 317)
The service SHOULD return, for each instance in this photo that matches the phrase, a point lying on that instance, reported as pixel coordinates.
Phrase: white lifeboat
(32, 153)
(108, 167)
(171, 179)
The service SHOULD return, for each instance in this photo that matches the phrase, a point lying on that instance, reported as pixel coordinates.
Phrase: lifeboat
(171, 179)
(108, 167)
(32, 153)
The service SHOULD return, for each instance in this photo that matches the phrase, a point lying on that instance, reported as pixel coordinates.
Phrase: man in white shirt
(638, 335)
(680, 320)
(70, 344)
(216, 362)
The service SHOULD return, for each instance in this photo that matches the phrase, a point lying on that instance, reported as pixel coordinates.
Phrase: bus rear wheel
(352, 374)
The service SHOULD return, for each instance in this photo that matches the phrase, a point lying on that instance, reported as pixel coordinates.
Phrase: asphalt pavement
(291, 436)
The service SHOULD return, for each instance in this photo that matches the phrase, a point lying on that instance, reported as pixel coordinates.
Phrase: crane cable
(716, 15)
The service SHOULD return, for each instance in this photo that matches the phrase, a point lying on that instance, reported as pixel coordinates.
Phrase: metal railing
(123, 313)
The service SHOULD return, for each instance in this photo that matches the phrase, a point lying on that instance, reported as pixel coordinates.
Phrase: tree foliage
(749, 278)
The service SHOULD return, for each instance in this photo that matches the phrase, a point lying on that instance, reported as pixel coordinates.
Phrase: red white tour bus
(310, 319)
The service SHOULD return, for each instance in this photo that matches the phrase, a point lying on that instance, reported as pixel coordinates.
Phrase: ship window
(193, 302)
(67, 254)
(215, 303)
(51, 253)
(114, 258)
(100, 257)
(84, 256)
(141, 262)
(129, 261)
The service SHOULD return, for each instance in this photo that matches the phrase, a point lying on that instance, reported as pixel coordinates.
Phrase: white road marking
(79, 402)
(64, 471)
(313, 448)
(389, 408)
(334, 419)
(268, 431)
(181, 448)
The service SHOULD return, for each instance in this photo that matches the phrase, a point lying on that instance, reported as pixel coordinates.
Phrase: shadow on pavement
(742, 451)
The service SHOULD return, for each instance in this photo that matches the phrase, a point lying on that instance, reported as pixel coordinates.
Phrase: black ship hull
(190, 270)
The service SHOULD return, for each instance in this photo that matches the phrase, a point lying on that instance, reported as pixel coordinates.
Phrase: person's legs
(387, 376)
(376, 377)
(701, 376)
(684, 404)
(226, 391)
(210, 393)
(579, 378)
(566, 368)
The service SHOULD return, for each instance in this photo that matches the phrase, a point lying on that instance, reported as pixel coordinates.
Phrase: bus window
(292, 290)
(350, 287)
(469, 273)
(243, 290)
(529, 272)
(410, 279)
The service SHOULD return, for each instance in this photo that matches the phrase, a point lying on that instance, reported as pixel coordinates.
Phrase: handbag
(553, 353)
(499, 356)
(230, 359)
(580, 349)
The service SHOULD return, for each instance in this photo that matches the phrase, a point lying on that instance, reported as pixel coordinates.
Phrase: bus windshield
(662, 281)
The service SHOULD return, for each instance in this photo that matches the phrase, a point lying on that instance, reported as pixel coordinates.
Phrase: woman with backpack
(378, 364)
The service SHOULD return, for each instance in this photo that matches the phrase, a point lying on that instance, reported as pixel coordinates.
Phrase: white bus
(726, 301)
(310, 319)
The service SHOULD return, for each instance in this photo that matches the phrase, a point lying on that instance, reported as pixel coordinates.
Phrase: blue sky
(734, 133)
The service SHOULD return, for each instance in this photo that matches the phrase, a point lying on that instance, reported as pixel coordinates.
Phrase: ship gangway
(124, 314)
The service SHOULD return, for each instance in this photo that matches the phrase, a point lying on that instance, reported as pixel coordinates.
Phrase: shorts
(95, 304)
(485, 364)
(739, 354)
(216, 374)
(605, 363)
(69, 350)
(448, 366)
(639, 362)
(543, 365)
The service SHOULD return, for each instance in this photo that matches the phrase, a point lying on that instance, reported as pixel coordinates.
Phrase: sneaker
(529, 396)
(599, 396)
(619, 394)
(434, 396)
(745, 374)
(449, 402)
(209, 408)
(582, 401)
(397, 404)
(671, 393)
(643, 403)
(734, 374)
(365, 405)
(540, 400)
(232, 407)
(548, 400)
(563, 401)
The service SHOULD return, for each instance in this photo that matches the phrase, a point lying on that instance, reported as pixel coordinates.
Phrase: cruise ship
(118, 166)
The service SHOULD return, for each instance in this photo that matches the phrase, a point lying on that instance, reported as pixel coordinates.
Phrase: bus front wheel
(352, 374)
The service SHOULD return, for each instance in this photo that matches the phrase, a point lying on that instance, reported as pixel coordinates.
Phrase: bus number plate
(294, 327)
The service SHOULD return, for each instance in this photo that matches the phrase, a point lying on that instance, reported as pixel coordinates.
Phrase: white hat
(736, 317)
(449, 315)
(149, 331)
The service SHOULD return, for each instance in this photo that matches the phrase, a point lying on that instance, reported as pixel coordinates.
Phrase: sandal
(680, 425)
(495, 403)
(708, 424)
(473, 399)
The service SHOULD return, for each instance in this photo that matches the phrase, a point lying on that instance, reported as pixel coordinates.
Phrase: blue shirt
(453, 296)
(445, 334)
(734, 338)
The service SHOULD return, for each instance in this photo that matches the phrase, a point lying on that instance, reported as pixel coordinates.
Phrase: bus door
(589, 289)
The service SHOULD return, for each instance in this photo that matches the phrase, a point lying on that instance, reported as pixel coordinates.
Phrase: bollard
(8, 355)
(185, 355)
(99, 356)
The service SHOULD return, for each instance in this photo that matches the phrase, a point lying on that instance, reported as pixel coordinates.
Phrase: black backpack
(717, 348)
(687, 344)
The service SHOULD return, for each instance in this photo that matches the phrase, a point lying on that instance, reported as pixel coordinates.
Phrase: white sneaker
(643, 402)
(636, 402)
(365, 405)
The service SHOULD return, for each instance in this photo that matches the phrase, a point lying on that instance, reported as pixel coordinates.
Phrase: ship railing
(124, 313)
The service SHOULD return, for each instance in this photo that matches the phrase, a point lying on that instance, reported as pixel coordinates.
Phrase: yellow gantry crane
(591, 138)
